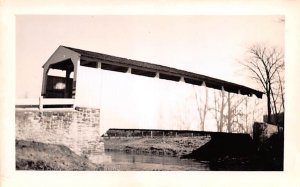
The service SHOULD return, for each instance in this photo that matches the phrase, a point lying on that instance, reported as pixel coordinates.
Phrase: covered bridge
(72, 60)
(155, 101)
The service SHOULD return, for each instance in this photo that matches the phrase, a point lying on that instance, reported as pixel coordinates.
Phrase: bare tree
(233, 113)
(218, 109)
(266, 64)
(202, 105)
(281, 88)
(249, 114)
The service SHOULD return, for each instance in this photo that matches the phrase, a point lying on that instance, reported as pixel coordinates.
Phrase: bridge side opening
(59, 80)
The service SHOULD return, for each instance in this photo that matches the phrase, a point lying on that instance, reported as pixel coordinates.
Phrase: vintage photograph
(150, 93)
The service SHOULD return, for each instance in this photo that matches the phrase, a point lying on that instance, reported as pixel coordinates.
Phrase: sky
(209, 45)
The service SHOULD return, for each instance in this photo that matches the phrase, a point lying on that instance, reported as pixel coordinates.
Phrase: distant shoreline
(161, 146)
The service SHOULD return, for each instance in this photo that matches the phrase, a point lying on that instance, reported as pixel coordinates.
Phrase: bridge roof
(169, 73)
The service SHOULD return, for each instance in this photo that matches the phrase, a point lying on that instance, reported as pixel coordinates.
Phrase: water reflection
(138, 162)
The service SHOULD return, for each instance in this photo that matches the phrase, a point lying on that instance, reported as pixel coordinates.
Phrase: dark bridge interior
(60, 87)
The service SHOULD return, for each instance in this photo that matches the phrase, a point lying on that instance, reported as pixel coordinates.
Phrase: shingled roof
(167, 72)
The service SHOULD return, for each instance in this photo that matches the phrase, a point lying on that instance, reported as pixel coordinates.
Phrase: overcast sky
(209, 45)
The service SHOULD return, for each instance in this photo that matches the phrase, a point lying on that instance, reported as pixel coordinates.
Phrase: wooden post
(129, 70)
(45, 78)
(67, 90)
(40, 102)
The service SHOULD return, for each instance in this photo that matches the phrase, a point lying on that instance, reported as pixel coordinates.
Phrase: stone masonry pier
(76, 128)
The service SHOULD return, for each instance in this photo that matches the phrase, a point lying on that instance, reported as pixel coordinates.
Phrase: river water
(120, 161)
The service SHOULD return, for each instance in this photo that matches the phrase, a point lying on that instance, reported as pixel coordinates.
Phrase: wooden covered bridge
(71, 60)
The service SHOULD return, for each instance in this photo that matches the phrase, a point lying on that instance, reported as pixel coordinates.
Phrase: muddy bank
(167, 146)
(39, 156)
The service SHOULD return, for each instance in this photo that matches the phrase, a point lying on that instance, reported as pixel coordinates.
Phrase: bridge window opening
(143, 72)
(56, 72)
(169, 77)
(72, 75)
(231, 89)
(193, 81)
(59, 86)
(91, 64)
(114, 68)
(214, 86)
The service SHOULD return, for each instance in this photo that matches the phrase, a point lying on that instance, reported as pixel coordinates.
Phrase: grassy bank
(39, 156)
(170, 146)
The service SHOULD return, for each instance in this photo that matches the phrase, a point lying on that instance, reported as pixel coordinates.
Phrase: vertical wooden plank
(40, 102)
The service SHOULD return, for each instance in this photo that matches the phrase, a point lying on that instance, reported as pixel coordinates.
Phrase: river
(120, 161)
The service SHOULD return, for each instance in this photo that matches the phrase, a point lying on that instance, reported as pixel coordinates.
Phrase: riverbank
(32, 155)
(148, 153)
(167, 146)
(224, 153)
